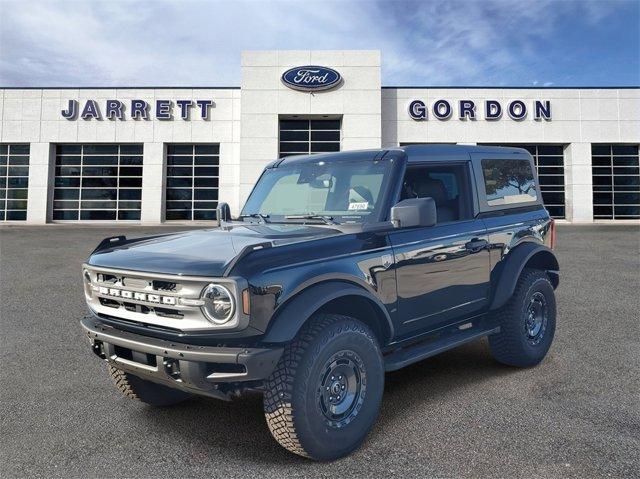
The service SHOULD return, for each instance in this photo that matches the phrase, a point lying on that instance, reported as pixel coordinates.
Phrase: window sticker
(363, 205)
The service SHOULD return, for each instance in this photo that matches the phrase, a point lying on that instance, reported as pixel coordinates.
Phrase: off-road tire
(292, 404)
(512, 345)
(148, 392)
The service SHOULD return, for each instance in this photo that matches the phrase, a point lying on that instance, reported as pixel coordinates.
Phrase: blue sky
(198, 43)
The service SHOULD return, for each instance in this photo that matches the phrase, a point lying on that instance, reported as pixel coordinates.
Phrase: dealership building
(154, 155)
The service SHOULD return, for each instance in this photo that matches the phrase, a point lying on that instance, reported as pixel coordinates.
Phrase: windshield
(346, 191)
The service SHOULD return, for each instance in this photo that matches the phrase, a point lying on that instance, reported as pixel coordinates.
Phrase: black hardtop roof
(444, 151)
(413, 152)
(337, 156)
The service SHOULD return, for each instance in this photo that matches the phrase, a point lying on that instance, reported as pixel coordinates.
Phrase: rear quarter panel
(508, 229)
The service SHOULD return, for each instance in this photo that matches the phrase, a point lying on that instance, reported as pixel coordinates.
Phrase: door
(442, 271)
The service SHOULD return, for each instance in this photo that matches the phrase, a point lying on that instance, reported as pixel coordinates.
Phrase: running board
(412, 354)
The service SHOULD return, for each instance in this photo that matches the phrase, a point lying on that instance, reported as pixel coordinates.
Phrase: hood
(206, 252)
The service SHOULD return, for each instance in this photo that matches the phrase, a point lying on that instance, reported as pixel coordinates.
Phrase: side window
(508, 181)
(450, 182)
(448, 185)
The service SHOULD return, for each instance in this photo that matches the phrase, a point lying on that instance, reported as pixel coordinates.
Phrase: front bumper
(203, 370)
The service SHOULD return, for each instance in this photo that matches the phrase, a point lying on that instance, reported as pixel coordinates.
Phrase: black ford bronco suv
(340, 267)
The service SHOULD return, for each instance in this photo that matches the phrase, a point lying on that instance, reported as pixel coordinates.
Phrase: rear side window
(508, 182)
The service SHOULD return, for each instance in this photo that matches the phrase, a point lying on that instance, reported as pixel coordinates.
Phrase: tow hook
(98, 349)
(172, 368)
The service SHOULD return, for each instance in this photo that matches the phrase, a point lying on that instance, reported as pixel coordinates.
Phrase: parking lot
(457, 414)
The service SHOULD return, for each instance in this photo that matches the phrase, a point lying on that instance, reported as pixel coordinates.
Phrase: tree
(507, 175)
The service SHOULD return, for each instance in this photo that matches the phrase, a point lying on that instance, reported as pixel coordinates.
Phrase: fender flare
(292, 315)
(515, 261)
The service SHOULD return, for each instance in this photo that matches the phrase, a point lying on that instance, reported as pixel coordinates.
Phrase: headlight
(219, 304)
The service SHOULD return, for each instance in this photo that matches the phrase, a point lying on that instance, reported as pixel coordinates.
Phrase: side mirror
(223, 212)
(414, 212)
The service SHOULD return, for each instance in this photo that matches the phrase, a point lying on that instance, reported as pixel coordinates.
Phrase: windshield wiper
(328, 220)
(264, 218)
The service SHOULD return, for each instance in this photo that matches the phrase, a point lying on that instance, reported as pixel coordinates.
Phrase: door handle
(476, 245)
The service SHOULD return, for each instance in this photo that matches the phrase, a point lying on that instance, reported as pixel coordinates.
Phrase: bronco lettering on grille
(149, 298)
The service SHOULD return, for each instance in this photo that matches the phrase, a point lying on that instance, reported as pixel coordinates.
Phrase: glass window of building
(303, 137)
(549, 161)
(616, 182)
(192, 182)
(98, 182)
(14, 182)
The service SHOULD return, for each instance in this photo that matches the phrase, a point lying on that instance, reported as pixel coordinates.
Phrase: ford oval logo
(311, 78)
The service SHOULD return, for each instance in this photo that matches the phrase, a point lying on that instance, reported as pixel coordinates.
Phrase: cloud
(477, 42)
(161, 43)
(198, 43)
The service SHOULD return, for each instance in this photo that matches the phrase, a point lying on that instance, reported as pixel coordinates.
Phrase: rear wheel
(527, 322)
(134, 387)
(325, 394)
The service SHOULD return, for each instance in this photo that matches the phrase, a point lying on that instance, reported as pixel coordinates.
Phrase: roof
(440, 150)
(339, 155)
(413, 152)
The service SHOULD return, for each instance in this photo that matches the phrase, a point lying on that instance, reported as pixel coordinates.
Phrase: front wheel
(325, 393)
(527, 322)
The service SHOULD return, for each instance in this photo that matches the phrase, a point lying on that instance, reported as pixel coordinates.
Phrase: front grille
(135, 282)
(164, 285)
(169, 313)
(120, 322)
(109, 303)
(107, 278)
(161, 302)
(138, 308)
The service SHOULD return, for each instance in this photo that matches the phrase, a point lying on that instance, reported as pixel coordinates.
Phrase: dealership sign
(136, 109)
(492, 109)
(311, 78)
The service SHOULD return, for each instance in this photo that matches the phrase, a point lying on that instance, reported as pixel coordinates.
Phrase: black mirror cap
(223, 212)
(414, 212)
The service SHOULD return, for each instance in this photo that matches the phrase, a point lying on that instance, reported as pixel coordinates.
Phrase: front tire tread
(280, 414)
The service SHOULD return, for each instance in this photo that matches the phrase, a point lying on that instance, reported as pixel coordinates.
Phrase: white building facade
(154, 155)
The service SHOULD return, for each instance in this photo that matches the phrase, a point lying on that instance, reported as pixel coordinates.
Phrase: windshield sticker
(359, 206)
